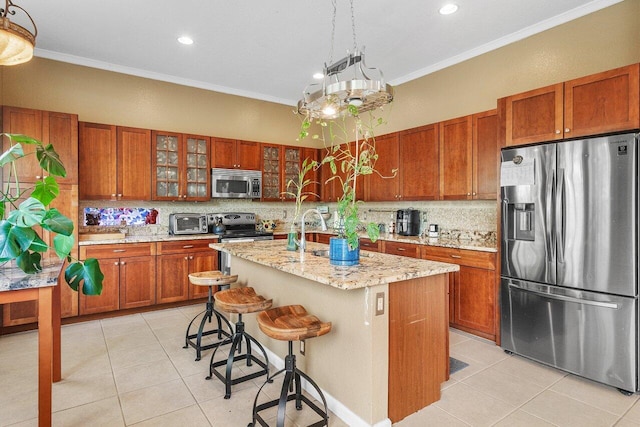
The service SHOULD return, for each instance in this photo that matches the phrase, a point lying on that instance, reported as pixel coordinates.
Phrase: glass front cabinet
(181, 167)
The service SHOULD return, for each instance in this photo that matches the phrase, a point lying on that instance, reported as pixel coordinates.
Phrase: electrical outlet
(379, 303)
(302, 345)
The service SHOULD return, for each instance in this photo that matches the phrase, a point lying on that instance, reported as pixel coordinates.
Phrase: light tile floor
(132, 370)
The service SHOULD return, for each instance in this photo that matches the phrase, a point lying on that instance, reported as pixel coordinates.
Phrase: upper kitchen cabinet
(382, 185)
(280, 164)
(603, 102)
(456, 161)
(59, 129)
(485, 155)
(114, 162)
(599, 103)
(181, 167)
(419, 154)
(534, 116)
(235, 154)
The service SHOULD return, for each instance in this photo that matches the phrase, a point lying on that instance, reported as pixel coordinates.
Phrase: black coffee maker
(408, 222)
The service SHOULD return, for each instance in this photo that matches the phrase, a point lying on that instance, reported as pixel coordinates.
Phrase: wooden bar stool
(291, 323)
(239, 301)
(210, 279)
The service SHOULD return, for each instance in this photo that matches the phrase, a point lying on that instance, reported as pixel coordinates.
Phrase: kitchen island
(387, 353)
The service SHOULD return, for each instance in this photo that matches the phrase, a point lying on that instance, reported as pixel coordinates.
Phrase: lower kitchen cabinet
(176, 259)
(129, 277)
(472, 290)
(401, 248)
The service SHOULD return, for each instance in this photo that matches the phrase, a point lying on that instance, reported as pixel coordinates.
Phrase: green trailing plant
(24, 210)
(347, 163)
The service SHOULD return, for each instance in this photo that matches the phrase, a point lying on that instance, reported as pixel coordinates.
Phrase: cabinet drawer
(480, 259)
(179, 246)
(402, 249)
(323, 238)
(368, 245)
(121, 250)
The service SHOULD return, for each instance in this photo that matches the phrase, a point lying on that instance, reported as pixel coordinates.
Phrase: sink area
(321, 253)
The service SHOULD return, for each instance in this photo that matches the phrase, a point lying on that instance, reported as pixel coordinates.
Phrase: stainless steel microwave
(188, 223)
(236, 184)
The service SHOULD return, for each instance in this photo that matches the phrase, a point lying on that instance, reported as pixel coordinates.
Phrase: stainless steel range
(238, 227)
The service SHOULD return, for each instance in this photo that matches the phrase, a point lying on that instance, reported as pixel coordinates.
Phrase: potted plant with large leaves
(24, 211)
(347, 163)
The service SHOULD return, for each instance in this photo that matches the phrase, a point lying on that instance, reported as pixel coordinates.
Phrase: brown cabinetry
(485, 155)
(383, 186)
(456, 159)
(59, 129)
(181, 166)
(235, 154)
(129, 277)
(176, 259)
(591, 105)
(401, 248)
(368, 245)
(472, 290)
(114, 162)
(419, 163)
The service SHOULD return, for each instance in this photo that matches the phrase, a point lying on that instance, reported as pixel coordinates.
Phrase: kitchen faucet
(303, 241)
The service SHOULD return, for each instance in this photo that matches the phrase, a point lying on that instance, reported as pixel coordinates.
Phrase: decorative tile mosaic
(113, 217)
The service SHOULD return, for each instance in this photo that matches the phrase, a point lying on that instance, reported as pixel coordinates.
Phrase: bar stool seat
(240, 301)
(291, 323)
(209, 278)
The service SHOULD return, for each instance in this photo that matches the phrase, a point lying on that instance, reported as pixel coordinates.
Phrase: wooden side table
(16, 286)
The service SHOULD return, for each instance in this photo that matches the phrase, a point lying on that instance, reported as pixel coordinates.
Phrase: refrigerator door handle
(565, 298)
(549, 237)
(561, 214)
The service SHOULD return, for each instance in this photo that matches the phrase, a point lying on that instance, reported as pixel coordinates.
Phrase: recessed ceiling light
(448, 9)
(318, 76)
(185, 40)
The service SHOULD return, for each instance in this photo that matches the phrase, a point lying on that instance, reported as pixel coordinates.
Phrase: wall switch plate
(302, 347)
(379, 303)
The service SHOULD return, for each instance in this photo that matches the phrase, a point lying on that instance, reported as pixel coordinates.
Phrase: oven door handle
(240, 240)
(565, 298)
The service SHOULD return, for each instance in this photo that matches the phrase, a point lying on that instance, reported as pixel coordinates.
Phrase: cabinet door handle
(116, 263)
(456, 256)
(557, 131)
(191, 257)
(122, 262)
(187, 246)
(120, 195)
(187, 258)
(119, 250)
(401, 249)
(567, 130)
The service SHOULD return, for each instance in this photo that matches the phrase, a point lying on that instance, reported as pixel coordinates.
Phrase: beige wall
(603, 40)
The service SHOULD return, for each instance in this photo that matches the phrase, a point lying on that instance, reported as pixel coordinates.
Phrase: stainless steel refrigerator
(569, 278)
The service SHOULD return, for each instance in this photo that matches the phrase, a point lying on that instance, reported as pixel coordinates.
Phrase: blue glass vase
(292, 244)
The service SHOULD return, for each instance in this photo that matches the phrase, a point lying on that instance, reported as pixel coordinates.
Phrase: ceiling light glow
(448, 9)
(185, 40)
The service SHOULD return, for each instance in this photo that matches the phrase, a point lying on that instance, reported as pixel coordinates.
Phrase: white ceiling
(269, 50)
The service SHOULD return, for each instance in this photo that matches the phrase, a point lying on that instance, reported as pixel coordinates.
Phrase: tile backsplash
(465, 219)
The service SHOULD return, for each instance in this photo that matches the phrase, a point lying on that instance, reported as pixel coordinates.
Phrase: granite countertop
(474, 245)
(469, 244)
(374, 268)
(149, 238)
(13, 279)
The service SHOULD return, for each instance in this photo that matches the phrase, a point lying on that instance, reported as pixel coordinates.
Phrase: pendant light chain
(333, 30)
(353, 28)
